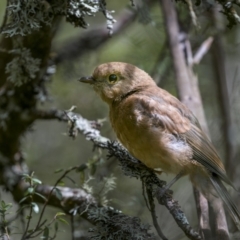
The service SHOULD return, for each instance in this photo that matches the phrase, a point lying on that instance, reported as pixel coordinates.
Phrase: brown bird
(159, 130)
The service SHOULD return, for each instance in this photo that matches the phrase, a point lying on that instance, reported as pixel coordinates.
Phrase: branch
(49, 115)
(202, 50)
(153, 213)
(77, 201)
(133, 168)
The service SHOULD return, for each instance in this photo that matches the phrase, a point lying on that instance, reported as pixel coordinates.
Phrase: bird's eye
(112, 78)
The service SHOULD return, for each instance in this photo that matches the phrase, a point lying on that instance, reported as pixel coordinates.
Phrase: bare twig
(153, 214)
(202, 50)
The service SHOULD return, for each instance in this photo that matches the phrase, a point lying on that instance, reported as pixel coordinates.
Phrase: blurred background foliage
(47, 146)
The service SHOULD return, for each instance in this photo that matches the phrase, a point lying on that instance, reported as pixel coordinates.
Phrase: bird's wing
(176, 118)
(205, 153)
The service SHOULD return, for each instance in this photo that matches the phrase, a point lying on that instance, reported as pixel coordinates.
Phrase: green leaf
(60, 214)
(41, 196)
(35, 207)
(58, 194)
(5, 206)
(58, 170)
(63, 221)
(71, 180)
(30, 190)
(56, 226)
(93, 168)
(81, 167)
(61, 183)
(36, 181)
(26, 175)
(23, 199)
(82, 178)
(45, 233)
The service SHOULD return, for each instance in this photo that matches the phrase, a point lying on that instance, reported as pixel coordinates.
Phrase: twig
(153, 214)
(28, 223)
(46, 202)
(144, 196)
(72, 226)
(202, 50)
(49, 114)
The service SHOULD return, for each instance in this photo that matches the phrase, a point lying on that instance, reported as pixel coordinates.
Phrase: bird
(159, 130)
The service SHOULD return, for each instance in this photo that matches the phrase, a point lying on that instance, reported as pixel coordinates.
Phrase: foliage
(4, 211)
(26, 16)
(27, 202)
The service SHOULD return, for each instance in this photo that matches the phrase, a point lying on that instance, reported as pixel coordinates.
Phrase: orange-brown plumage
(158, 129)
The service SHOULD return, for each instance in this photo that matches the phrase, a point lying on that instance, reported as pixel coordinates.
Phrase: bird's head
(116, 79)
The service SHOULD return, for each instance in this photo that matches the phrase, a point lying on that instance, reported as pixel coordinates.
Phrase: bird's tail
(223, 193)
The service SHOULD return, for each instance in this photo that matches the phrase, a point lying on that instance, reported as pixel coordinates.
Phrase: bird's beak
(89, 80)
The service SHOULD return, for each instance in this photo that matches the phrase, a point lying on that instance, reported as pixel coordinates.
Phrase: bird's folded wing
(205, 153)
(177, 119)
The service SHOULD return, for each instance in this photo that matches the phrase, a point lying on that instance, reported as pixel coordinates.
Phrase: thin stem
(45, 204)
(72, 227)
(153, 214)
(28, 223)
